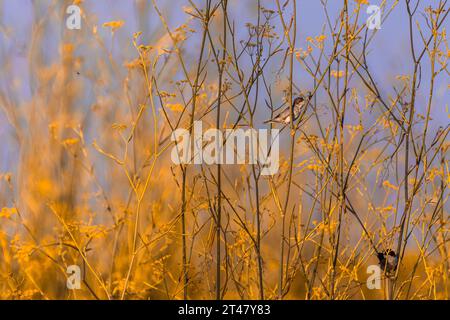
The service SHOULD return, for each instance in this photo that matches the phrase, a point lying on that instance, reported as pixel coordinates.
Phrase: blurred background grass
(78, 138)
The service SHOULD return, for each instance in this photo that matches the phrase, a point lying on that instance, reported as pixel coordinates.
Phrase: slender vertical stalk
(195, 89)
(341, 118)
(255, 175)
(221, 65)
(292, 143)
(183, 234)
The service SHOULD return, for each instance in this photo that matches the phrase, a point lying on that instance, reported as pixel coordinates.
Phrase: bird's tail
(271, 121)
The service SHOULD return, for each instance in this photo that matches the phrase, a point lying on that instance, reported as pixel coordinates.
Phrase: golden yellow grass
(93, 184)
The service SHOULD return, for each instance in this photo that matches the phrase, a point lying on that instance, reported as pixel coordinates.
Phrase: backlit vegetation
(86, 176)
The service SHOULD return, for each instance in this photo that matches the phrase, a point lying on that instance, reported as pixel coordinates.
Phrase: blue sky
(389, 53)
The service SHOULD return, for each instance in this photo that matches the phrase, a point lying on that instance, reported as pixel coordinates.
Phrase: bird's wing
(281, 116)
(284, 114)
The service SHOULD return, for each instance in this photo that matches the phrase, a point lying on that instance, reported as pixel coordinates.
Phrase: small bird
(297, 107)
(388, 261)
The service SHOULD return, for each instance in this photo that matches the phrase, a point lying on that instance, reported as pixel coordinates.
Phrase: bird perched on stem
(298, 106)
(388, 261)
